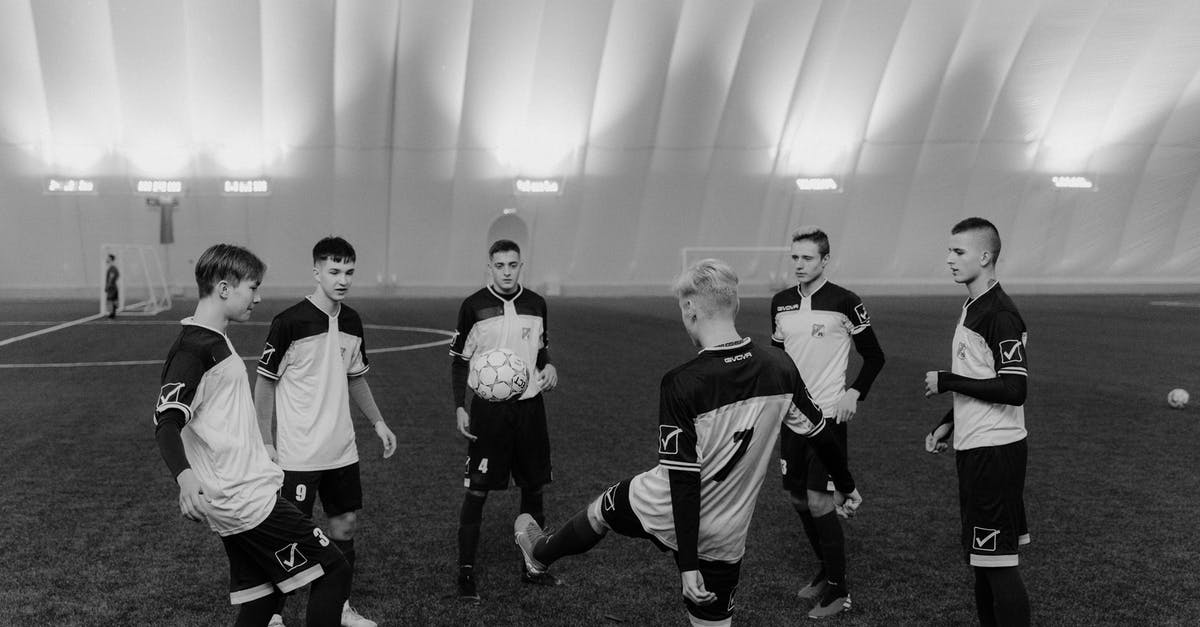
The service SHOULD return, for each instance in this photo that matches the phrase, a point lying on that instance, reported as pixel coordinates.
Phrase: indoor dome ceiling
(402, 125)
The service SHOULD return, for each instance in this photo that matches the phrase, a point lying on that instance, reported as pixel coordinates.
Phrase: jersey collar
(337, 307)
(971, 301)
(190, 321)
(801, 292)
(726, 346)
(510, 297)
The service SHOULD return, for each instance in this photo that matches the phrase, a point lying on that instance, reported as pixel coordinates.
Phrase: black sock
(810, 529)
(833, 548)
(327, 595)
(469, 519)
(258, 612)
(531, 503)
(984, 603)
(347, 548)
(1010, 601)
(577, 536)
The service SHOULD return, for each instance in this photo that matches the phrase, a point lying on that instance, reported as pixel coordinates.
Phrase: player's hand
(387, 437)
(548, 378)
(935, 441)
(847, 504)
(464, 423)
(693, 588)
(192, 503)
(931, 383)
(846, 406)
(272, 452)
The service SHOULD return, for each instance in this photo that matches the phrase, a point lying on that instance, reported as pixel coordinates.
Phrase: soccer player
(311, 368)
(208, 435)
(988, 381)
(719, 417)
(111, 275)
(505, 438)
(816, 322)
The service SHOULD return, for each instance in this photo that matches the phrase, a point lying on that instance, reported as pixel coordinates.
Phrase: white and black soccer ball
(498, 375)
(1177, 398)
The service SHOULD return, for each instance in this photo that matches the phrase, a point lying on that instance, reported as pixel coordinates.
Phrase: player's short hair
(333, 248)
(813, 234)
(503, 246)
(983, 227)
(711, 284)
(227, 262)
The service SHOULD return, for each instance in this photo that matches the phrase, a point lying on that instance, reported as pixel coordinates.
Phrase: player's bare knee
(820, 503)
(596, 519)
(342, 526)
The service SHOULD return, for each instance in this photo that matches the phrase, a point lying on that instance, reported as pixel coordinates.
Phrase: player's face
(505, 267)
(334, 277)
(965, 257)
(240, 299)
(808, 264)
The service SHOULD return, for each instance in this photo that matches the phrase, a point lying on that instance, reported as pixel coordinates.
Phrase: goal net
(760, 269)
(141, 282)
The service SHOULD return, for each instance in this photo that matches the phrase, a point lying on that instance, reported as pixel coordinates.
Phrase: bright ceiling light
(818, 184)
(534, 151)
(1072, 182)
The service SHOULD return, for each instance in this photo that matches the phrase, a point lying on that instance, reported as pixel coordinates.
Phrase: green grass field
(91, 524)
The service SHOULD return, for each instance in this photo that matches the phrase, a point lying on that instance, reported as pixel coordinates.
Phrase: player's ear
(223, 288)
(985, 259)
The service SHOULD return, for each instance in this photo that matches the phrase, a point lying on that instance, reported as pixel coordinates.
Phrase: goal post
(760, 269)
(141, 282)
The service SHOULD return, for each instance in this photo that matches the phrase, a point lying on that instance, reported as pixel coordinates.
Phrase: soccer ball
(1177, 398)
(498, 375)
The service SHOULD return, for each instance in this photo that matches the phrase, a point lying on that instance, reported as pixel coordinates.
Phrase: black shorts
(511, 439)
(340, 489)
(991, 486)
(285, 551)
(720, 578)
(801, 468)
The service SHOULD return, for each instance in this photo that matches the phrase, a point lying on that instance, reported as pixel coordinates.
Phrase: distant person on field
(111, 275)
(508, 438)
(816, 322)
(312, 366)
(207, 433)
(988, 381)
(719, 416)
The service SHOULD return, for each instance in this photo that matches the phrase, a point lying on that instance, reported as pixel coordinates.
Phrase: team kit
(252, 461)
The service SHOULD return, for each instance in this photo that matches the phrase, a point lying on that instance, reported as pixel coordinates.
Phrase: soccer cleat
(545, 578)
(466, 585)
(527, 532)
(276, 621)
(812, 591)
(834, 601)
(351, 618)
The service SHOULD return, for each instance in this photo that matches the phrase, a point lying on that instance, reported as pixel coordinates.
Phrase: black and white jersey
(719, 416)
(488, 320)
(989, 341)
(817, 332)
(206, 381)
(311, 354)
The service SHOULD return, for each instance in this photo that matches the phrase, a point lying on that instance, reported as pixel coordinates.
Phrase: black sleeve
(458, 380)
(827, 447)
(1006, 389)
(170, 445)
(867, 345)
(543, 357)
(685, 506)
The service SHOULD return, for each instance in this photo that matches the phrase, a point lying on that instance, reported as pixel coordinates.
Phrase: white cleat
(351, 618)
(527, 532)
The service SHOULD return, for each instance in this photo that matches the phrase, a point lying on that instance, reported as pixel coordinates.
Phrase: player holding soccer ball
(719, 417)
(988, 378)
(506, 437)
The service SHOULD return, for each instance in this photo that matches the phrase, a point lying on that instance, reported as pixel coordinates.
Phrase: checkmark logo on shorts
(290, 557)
(985, 539)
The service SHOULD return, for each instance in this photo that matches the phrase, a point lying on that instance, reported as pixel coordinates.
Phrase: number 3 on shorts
(321, 539)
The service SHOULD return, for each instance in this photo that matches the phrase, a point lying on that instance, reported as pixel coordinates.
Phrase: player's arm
(867, 345)
(360, 394)
(806, 420)
(677, 453)
(180, 380)
(938, 439)
(459, 369)
(1008, 387)
(264, 408)
(546, 370)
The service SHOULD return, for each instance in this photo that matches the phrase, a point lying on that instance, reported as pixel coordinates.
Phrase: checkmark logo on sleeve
(1010, 352)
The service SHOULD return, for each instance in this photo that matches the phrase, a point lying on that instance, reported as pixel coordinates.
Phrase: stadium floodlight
(508, 211)
(60, 185)
(537, 186)
(246, 187)
(159, 186)
(1073, 182)
(817, 184)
